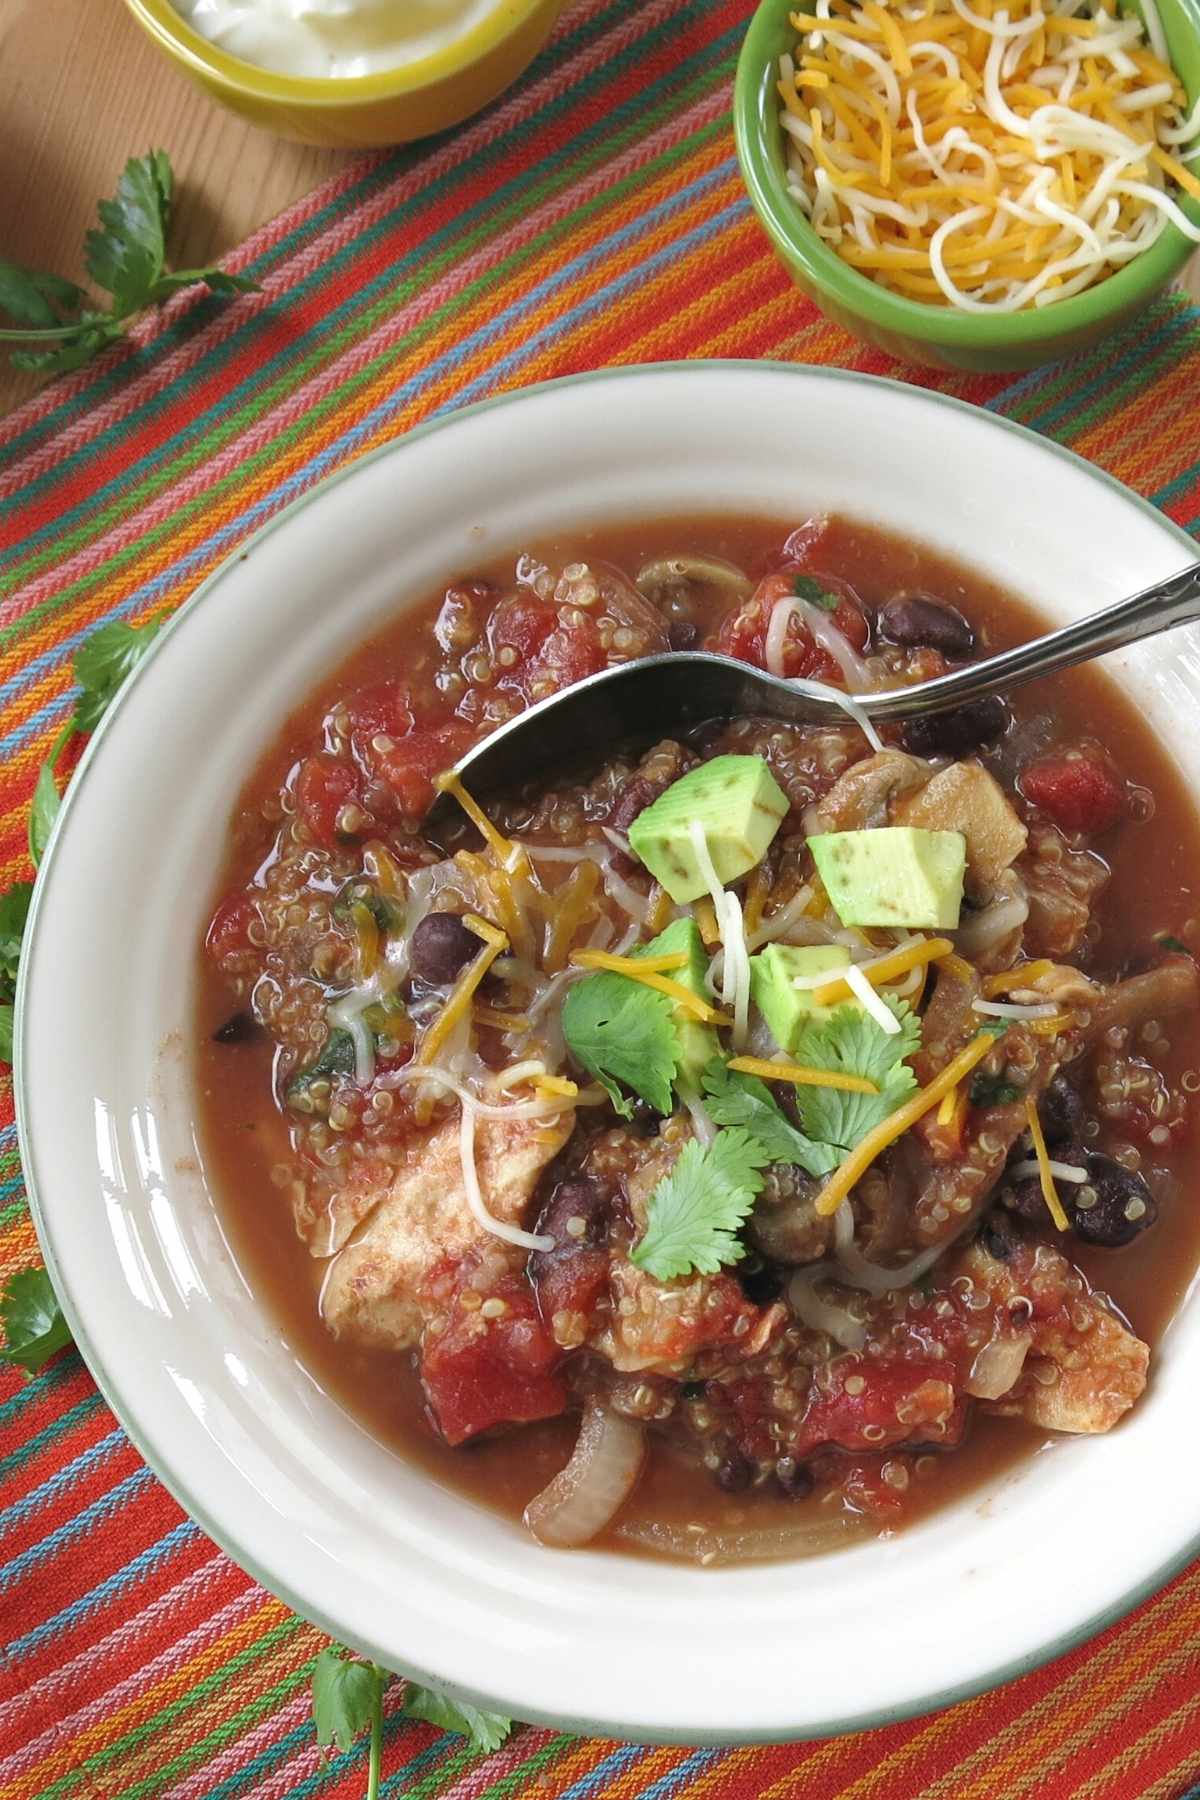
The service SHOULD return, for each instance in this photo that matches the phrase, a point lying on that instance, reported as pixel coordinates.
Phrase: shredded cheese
(1049, 1191)
(459, 999)
(897, 1123)
(800, 1076)
(638, 968)
(507, 854)
(859, 983)
(516, 1023)
(512, 1234)
(1005, 1009)
(1023, 977)
(880, 969)
(735, 956)
(987, 158)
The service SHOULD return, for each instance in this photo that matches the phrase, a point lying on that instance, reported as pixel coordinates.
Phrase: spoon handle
(1166, 604)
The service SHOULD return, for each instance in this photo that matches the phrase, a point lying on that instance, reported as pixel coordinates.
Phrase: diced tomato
(1078, 792)
(481, 1372)
(408, 769)
(898, 1400)
(324, 785)
(744, 633)
(865, 1488)
(383, 708)
(227, 934)
(521, 623)
(568, 654)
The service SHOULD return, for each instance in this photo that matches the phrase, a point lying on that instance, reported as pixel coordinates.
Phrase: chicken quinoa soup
(754, 1136)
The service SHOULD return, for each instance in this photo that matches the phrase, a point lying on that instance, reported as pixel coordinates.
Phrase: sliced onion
(997, 1367)
(812, 1533)
(981, 932)
(583, 1497)
(823, 1315)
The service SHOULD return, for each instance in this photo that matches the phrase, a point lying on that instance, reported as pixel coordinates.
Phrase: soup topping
(751, 1096)
(988, 159)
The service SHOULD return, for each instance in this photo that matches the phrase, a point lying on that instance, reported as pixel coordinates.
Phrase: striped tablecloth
(594, 216)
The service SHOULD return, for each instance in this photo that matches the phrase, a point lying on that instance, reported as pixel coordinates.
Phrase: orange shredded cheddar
(646, 970)
(887, 968)
(799, 1076)
(1049, 1191)
(897, 1123)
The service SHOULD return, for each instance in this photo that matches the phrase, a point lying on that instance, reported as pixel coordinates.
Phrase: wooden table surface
(83, 90)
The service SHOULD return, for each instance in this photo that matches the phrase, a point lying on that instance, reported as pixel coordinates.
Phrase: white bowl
(202, 1377)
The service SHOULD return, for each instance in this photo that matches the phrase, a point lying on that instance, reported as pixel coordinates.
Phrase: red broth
(248, 1135)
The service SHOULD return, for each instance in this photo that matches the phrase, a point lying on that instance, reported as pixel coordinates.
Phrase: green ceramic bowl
(909, 329)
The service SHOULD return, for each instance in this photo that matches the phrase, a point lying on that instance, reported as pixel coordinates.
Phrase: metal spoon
(654, 696)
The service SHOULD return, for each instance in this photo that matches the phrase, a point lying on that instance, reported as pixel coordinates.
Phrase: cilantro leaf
(14, 910)
(486, 1730)
(732, 1097)
(45, 809)
(623, 1031)
(994, 1090)
(852, 1043)
(347, 1699)
(103, 660)
(125, 256)
(35, 299)
(695, 1212)
(7, 1025)
(34, 1326)
(807, 587)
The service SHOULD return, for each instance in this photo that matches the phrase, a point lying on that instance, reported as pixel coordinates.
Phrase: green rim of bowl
(761, 155)
(174, 1479)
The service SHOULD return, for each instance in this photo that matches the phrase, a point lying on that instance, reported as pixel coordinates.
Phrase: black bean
(954, 733)
(645, 1119)
(1109, 1209)
(683, 634)
(239, 1028)
(794, 1478)
(998, 1237)
(440, 948)
(915, 619)
(1061, 1112)
(735, 1472)
(760, 1281)
(1123, 1204)
(577, 1197)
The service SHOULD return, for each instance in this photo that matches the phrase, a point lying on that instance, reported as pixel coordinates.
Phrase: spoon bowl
(656, 695)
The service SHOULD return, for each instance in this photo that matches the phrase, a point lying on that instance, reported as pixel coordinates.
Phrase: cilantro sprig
(126, 257)
(850, 1042)
(694, 1214)
(34, 1326)
(623, 1032)
(347, 1699)
(807, 587)
(732, 1097)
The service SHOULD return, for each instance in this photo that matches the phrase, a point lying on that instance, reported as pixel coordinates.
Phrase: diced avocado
(898, 875)
(739, 806)
(785, 1008)
(698, 1043)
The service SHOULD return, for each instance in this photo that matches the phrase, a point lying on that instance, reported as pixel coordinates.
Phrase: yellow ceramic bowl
(392, 107)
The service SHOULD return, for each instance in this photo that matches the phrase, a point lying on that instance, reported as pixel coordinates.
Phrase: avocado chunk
(787, 1009)
(897, 876)
(739, 806)
(698, 1043)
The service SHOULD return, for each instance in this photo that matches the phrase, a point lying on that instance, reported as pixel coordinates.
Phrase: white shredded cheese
(1061, 1171)
(821, 690)
(826, 634)
(1008, 1009)
(872, 1002)
(512, 1234)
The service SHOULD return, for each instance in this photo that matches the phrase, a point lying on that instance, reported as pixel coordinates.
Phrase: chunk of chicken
(964, 797)
(1061, 886)
(662, 1325)
(1174, 986)
(1085, 1368)
(374, 1292)
(860, 799)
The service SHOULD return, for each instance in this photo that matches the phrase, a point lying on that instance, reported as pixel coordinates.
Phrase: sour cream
(332, 37)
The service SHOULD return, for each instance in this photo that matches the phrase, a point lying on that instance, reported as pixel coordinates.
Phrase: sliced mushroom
(860, 799)
(964, 797)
